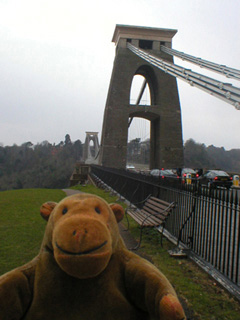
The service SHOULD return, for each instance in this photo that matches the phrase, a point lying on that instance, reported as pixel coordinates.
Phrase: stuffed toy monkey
(85, 272)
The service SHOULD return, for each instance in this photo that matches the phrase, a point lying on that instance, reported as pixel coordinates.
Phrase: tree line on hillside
(196, 155)
(47, 165)
(44, 165)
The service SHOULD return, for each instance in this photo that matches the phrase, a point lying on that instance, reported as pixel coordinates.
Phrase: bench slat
(154, 210)
(156, 217)
(158, 206)
(140, 218)
(150, 219)
(159, 201)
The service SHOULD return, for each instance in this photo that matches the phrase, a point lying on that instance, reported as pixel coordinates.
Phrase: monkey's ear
(118, 211)
(46, 209)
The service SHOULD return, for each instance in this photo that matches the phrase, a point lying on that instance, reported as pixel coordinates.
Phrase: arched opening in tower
(138, 148)
(140, 92)
(92, 148)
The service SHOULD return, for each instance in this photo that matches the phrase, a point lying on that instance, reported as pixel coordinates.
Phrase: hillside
(197, 155)
(38, 166)
(48, 165)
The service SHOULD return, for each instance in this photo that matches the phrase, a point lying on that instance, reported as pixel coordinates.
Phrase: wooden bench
(154, 213)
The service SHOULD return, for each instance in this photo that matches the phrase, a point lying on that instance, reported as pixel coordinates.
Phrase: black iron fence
(205, 221)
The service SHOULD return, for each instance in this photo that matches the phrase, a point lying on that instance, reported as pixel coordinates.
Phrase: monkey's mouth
(80, 253)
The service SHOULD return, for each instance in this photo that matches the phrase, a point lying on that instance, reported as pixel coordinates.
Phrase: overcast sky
(56, 59)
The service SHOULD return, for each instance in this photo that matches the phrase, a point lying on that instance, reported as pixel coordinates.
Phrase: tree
(39, 166)
(67, 140)
(196, 155)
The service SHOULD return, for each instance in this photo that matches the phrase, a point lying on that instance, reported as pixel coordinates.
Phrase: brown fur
(84, 271)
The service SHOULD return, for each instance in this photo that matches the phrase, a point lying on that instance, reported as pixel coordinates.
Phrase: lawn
(21, 225)
(22, 229)
(202, 297)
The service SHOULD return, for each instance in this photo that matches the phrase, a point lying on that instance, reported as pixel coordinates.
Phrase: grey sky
(56, 60)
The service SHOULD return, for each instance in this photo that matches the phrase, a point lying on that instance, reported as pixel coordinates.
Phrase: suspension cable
(223, 70)
(223, 91)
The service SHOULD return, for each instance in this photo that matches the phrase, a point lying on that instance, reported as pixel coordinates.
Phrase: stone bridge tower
(90, 153)
(164, 114)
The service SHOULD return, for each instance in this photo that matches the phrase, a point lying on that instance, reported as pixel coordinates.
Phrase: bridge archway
(91, 148)
(164, 114)
(140, 91)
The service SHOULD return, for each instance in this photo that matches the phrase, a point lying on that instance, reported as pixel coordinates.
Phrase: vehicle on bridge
(216, 178)
(163, 173)
(188, 171)
(130, 167)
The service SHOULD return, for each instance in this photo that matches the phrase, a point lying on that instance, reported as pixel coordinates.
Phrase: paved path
(70, 192)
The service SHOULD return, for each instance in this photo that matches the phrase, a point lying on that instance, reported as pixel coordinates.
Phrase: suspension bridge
(148, 52)
(224, 91)
(209, 224)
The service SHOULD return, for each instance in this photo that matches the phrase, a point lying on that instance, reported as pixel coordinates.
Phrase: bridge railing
(205, 221)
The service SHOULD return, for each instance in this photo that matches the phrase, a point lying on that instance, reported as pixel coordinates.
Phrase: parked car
(216, 178)
(130, 167)
(186, 171)
(163, 173)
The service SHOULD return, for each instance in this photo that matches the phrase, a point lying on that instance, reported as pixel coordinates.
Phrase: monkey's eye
(97, 210)
(65, 210)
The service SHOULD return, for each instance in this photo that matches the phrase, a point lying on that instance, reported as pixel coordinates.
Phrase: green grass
(199, 293)
(22, 229)
(99, 192)
(21, 226)
(202, 296)
(196, 288)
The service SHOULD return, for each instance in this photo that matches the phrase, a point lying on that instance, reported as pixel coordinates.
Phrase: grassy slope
(21, 232)
(204, 298)
(21, 226)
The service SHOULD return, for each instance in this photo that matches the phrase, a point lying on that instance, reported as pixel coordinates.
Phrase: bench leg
(127, 221)
(163, 226)
(139, 242)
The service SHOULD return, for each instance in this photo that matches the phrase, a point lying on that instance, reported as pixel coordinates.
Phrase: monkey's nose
(79, 234)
